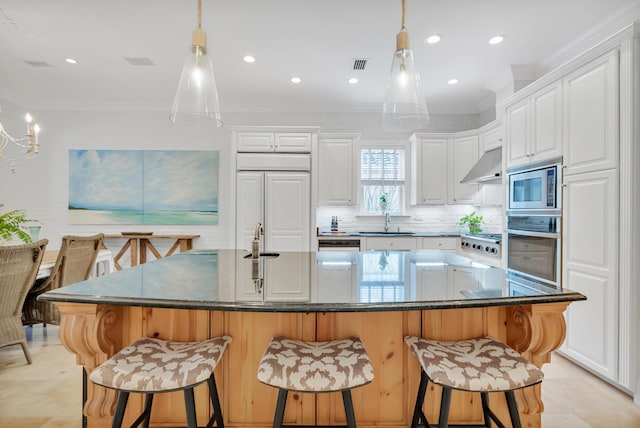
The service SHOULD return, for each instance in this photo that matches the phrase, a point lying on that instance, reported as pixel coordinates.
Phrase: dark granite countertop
(310, 282)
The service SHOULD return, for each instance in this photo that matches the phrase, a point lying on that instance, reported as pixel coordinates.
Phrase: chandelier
(14, 150)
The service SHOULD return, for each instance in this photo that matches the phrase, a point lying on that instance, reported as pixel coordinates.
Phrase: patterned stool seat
(152, 365)
(315, 366)
(481, 365)
(295, 365)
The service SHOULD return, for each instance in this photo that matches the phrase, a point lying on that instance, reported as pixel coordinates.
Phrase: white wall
(41, 185)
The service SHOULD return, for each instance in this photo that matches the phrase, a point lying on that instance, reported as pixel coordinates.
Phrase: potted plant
(13, 224)
(383, 202)
(474, 221)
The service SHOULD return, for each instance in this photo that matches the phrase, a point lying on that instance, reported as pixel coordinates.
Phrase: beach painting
(143, 187)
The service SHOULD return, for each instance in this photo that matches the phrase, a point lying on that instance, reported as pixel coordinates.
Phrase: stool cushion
(482, 364)
(156, 365)
(315, 366)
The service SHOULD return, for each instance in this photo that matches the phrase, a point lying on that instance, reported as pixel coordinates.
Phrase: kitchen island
(380, 296)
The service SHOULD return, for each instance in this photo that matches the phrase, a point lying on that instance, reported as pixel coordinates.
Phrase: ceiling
(316, 40)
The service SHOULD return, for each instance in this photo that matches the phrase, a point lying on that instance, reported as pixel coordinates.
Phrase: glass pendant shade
(405, 108)
(196, 103)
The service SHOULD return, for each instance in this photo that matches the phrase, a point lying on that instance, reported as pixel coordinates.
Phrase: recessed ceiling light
(71, 60)
(296, 80)
(249, 59)
(452, 81)
(496, 40)
(353, 80)
(433, 39)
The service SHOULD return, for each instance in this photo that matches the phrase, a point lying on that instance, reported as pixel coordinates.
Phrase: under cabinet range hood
(488, 169)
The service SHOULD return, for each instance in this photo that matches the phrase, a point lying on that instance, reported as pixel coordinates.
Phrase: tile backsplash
(437, 218)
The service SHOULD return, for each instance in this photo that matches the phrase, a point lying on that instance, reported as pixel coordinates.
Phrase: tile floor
(47, 394)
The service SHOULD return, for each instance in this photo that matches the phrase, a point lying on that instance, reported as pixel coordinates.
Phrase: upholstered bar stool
(152, 366)
(477, 365)
(316, 367)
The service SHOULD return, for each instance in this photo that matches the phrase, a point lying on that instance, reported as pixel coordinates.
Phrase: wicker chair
(18, 269)
(75, 263)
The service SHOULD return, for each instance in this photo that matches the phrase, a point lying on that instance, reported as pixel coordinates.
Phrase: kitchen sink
(248, 256)
(387, 233)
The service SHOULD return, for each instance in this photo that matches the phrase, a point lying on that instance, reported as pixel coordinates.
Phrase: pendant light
(404, 106)
(196, 102)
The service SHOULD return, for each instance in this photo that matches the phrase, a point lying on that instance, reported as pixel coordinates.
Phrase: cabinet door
(546, 111)
(289, 285)
(287, 211)
(255, 142)
(465, 156)
(336, 172)
(249, 206)
(430, 172)
(396, 243)
(292, 142)
(448, 244)
(590, 266)
(517, 133)
(492, 139)
(591, 116)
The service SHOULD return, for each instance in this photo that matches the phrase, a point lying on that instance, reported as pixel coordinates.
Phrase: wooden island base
(95, 332)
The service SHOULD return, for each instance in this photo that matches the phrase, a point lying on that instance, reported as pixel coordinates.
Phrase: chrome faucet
(255, 244)
(387, 220)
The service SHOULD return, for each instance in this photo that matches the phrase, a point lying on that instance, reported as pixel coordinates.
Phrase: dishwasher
(339, 244)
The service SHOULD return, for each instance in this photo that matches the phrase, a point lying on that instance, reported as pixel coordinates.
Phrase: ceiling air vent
(37, 63)
(359, 64)
(139, 61)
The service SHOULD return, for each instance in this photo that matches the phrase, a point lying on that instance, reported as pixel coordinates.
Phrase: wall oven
(535, 188)
(534, 247)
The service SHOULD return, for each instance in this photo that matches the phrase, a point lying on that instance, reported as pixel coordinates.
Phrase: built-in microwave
(535, 188)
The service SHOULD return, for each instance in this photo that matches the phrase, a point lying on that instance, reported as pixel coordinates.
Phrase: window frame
(385, 145)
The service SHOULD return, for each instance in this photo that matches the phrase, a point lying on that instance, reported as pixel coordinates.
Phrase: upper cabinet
(491, 136)
(439, 162)
(285, 142)
(591, 116)
(429, 170)
(534, 127)
(464, 155)
(337, 169)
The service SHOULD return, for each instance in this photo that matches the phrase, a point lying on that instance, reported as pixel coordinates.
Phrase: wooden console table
(138, 244)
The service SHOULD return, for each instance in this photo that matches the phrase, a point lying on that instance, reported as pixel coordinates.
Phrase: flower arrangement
(474, 221)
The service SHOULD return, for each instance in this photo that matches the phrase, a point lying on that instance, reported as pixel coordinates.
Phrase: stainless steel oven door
(534, 255)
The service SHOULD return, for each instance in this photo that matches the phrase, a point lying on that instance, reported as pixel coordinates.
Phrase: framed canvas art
(143, 187)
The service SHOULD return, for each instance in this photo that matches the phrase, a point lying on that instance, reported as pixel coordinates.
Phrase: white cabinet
(591, 116)
(285, 142)
(278, 200)
(534, 127)
(337, 169)
(391, 243)
(432, 283)
(463, 156)
(590, 266)
(491, 138)
(443, 243)
(429, 170)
